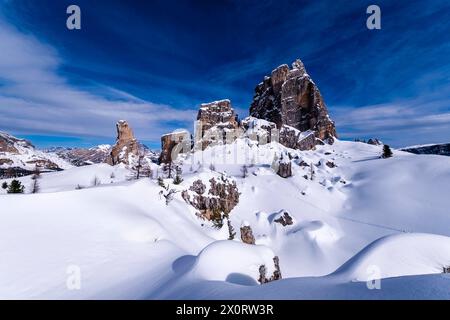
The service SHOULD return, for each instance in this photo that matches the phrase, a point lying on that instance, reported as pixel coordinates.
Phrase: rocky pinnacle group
(287, 107)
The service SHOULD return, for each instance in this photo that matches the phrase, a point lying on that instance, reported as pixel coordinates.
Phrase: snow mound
(398, 255)
(317, 231)
(233, 261)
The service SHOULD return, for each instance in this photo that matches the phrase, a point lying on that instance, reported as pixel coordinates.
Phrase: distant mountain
(98, 154)
(20, 157)
(82, 156)
(442, 149)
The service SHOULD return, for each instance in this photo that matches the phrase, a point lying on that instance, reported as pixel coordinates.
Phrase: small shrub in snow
(4, 185)
(160, 182)
(168, 194)
(387, 152)
(16, 187)
(178, 179)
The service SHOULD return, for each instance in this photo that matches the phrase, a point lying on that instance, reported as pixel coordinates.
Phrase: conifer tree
(387, 152)
(16, 187)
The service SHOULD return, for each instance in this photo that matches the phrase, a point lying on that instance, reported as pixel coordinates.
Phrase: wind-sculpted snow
(129, 243)
(398, 255)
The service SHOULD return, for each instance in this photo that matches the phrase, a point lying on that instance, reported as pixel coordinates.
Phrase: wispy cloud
(421, 120)
(35, 98)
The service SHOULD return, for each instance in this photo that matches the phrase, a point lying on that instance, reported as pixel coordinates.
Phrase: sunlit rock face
(290, 97)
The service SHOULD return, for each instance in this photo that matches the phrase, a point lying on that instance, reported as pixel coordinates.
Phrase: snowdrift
(232, 261)
(398, 255)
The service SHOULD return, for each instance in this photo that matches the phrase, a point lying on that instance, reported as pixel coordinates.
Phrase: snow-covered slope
(442, 149)
(357, 212)
(21, 154)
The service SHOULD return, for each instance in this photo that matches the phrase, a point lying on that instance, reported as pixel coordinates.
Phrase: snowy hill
(438, 149)
(358, 211)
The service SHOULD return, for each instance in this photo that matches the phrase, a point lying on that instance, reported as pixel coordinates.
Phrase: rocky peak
(9, 143)
(290, 97)
(214, 120)
(82, 156)
(124, 132)
(178, 139)
(126, 146)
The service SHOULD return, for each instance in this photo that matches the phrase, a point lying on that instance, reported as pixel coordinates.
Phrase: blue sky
(153, 62)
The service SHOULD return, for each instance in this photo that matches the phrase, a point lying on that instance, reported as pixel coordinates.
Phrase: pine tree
(16, 187)
(4, 185)
(167, 169)
(178, 179)
(231, 231)
(387, 152)
(161, 182)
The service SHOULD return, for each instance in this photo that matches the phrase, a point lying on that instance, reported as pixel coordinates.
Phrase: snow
(177, 132)
(102, 147)
(214, 263)
(366, 214)
(74, 177)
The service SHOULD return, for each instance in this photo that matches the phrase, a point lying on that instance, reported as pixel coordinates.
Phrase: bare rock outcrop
(283, 166)
(295, 139)
(284, 220)
(11, 144)
(247, 234)
(290, 97)
(126, 146)
(173, 144)
(216, 123)
(217, 203)
(260, 130)
(276, 273)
